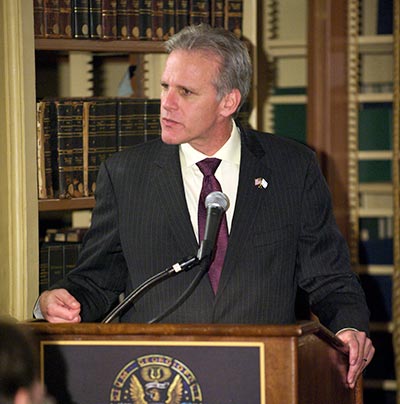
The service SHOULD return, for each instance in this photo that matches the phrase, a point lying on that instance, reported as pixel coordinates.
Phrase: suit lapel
(249, 196)
(168, 179)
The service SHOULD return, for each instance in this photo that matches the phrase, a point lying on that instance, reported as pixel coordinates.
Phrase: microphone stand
(185, 264)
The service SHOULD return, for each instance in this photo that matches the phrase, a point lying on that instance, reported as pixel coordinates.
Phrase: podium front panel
(122, 372)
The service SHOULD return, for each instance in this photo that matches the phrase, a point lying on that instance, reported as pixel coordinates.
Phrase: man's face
(190, 111)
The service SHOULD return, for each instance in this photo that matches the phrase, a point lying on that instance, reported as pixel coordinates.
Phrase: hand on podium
(361, 352)
(59, 306)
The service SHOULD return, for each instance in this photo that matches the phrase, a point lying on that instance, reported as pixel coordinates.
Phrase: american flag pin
(260, 183)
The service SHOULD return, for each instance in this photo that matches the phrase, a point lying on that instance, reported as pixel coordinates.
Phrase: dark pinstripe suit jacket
(282, 237)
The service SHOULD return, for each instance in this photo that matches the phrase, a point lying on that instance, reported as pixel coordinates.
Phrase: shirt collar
(229, 152)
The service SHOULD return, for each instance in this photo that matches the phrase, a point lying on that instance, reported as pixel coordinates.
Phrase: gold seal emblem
(155, 379)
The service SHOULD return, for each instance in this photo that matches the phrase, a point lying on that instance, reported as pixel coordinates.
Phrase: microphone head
(217, 199)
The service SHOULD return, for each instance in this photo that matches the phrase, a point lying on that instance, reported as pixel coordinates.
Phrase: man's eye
(164, 86)
(185, 91)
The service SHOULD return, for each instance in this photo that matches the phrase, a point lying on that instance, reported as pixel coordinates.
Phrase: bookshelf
(373, 183)
(284, 53)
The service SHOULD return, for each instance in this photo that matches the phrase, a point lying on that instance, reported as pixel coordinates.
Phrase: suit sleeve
(101, 272)
(323, 261)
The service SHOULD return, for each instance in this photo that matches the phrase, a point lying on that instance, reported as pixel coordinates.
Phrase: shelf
(47, 205)
(375, 97)
(380, 270)
(288, 99)
(376, 187)
(377, 384)
(375, 155)
(375, 212)
(287, 48)
(375, 43)
(90, 45)
(382, 326)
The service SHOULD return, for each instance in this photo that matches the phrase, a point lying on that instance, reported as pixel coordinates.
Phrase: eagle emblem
(155, 379)
(153, 393)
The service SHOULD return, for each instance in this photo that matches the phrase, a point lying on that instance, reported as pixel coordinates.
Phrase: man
(282, 234)
(19, 367)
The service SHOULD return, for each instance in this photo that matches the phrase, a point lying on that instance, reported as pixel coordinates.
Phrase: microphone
(216, 204)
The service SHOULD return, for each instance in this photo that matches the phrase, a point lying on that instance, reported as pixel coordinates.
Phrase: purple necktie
(210, 183)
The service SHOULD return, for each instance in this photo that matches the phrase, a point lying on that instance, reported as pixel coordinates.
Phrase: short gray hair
(235, 70)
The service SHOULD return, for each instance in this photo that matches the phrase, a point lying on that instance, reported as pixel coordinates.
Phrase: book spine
(85, 144)
(132, 19)
(102, 137)
(130, 122)
(199, 12)
(65, 19)
(56, 263)
(41, 177)
(181, 14)
(122, 19)
(48, 148)
(80, 19)
(217, 14)
(95, 28)
(38, 18)
(51, 16)
(169, 19)
(70, 149)
(70, 256)
(109, 19)
(145, 20)
(234, 16)
(157, 19)
(152, 119)
(43, 267)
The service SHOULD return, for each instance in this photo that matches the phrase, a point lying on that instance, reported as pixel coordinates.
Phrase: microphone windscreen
(217, 199)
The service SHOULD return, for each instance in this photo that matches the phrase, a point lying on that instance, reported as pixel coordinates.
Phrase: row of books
(75, 135)
(131, 19)
(55, 261)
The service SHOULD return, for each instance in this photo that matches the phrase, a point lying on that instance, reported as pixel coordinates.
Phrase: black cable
(187, 292)
(185, 264)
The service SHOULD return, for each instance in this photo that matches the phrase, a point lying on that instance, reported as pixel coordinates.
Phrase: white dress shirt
(227, 174)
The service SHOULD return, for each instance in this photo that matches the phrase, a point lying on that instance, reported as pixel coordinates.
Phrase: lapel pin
(260, 183)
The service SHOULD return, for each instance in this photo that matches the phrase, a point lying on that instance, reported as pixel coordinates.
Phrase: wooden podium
(183, 363)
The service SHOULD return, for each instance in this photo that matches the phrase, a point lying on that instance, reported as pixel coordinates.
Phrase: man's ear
(230, 102)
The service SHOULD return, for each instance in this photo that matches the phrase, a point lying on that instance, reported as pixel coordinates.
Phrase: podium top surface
(297, 330)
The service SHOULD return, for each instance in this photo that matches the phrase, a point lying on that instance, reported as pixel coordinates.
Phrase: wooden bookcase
(373, 157)
(345, 51)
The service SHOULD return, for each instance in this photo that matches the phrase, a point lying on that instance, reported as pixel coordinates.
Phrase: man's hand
(59, 306)
(361, 352)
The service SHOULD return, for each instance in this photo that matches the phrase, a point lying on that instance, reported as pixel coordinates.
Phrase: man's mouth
(169, 122)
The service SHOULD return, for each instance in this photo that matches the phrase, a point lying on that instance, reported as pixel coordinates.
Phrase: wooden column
(327, 98)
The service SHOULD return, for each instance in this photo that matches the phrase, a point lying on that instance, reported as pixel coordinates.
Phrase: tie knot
(208, 166)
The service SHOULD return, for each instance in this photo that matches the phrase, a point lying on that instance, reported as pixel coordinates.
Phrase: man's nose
(169, 100)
